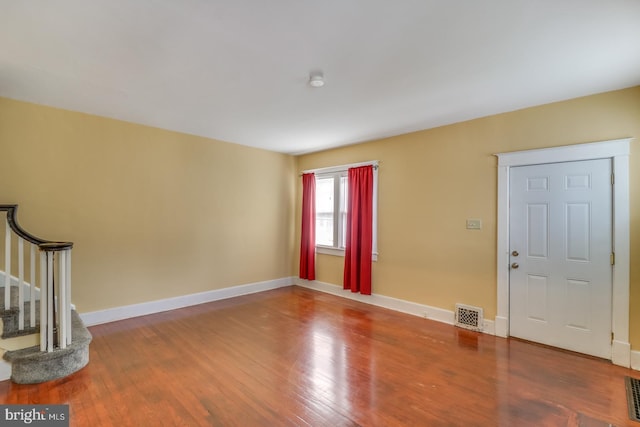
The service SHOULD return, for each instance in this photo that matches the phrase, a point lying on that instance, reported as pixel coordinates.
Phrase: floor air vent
(633, 397)
(469, 317)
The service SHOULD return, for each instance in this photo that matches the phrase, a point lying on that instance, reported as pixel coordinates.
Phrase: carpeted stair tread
(31, 366)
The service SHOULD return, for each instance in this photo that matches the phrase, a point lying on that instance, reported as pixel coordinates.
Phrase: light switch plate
(474, 224)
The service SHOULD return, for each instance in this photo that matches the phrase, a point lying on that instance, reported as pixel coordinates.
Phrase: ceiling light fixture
(316, 79)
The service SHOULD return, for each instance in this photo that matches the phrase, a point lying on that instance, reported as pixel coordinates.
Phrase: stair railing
(54, 282)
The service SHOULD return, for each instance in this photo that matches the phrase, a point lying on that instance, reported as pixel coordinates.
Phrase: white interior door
(560, 237)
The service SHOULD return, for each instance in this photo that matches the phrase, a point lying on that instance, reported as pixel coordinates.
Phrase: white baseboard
(142, 309)
(621, 353)
(502, 326)
(408, 307)
(635, 360)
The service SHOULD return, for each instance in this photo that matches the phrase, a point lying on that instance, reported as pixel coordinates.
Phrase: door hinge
(612, 258)
(612, 337)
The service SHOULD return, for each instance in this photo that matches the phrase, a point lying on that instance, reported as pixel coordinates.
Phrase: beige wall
(431, 181)
(153, 214)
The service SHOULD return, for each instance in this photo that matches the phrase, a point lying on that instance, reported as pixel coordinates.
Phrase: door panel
(538, 230)
(537, 290)
(578, 218)
(560, 239)
(579, 294)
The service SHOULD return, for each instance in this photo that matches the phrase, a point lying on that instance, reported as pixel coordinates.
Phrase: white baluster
(43, 301)
(20, 283)
(50, 298)
(62, 299)
(68, 307)
(32, 293)
(7, 267)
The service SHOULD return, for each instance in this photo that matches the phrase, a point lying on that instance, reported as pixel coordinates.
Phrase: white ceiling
(237, 70)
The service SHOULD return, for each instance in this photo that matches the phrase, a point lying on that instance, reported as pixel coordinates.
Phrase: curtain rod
(342, 168)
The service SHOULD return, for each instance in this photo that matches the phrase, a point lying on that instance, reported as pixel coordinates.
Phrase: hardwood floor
(296, 357)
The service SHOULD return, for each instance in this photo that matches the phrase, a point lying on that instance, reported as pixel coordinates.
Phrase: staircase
(42, 336)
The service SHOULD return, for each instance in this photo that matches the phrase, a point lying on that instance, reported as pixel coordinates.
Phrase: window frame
(342, 171)
(338, 223)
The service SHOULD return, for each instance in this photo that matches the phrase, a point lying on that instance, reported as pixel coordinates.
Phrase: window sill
(328, 250)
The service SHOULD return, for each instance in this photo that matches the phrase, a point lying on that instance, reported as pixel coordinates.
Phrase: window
(331, 208)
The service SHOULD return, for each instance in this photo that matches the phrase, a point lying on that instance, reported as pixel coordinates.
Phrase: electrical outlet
(474, 224)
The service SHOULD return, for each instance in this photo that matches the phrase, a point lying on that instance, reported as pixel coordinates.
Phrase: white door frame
(616, 150)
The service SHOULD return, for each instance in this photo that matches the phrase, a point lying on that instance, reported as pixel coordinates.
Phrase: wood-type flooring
(297, 357)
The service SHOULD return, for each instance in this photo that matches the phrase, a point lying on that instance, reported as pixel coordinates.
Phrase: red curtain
(308, 237)
(357, 260)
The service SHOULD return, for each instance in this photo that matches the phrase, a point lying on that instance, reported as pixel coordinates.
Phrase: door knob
(515, 253)
(514, 265)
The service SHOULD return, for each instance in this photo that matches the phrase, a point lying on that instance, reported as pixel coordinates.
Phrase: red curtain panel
(357, 260)
(308, 235)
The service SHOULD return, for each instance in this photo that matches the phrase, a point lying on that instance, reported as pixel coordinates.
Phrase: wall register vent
(633, 397)
(469, 317)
